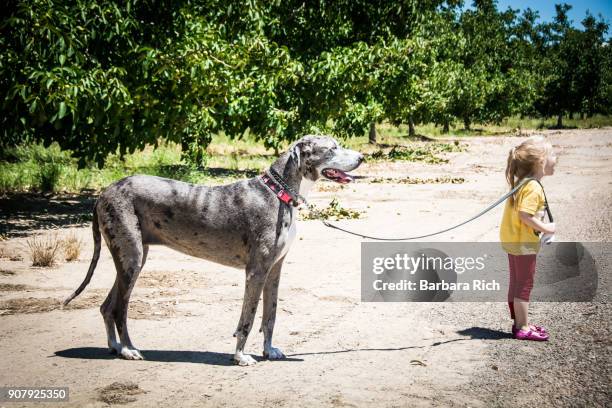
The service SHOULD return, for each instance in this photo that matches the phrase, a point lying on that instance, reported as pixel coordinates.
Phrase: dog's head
(318, 156)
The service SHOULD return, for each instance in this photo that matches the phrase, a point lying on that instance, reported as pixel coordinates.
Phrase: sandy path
(341, 352)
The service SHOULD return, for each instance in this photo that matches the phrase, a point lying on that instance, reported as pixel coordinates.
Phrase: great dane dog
(247, 224)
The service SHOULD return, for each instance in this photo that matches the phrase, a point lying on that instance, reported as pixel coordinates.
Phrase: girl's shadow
(483, 333)
(477, 333)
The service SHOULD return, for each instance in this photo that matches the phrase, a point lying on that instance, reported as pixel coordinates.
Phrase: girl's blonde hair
(523, 159)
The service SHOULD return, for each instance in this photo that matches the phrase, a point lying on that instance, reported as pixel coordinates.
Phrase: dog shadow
(163, 356)
(226, 359)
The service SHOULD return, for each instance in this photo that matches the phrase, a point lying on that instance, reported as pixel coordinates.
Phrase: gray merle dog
(247, 224)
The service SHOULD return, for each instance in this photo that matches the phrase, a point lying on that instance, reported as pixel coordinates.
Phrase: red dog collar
(277, 189)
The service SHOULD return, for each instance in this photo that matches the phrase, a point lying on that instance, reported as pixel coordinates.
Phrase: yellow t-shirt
(517, 237)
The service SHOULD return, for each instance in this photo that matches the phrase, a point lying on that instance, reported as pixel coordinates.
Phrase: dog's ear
(301, 151)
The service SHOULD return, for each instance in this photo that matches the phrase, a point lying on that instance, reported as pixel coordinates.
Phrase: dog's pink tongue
(338, 176)
(344, 178)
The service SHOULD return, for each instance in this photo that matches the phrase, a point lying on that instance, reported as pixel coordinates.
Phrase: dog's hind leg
(109, 322)
(128, 261)
(255, 279)
(122, 233)
(108, 312)
(270, 300)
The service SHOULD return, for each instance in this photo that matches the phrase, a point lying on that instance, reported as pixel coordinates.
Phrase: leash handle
(489, 208)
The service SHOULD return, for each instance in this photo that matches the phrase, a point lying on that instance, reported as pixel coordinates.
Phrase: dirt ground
(341, 352)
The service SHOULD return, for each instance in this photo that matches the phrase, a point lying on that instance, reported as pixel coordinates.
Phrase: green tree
(604, 91)
(106, 76)
(365, 61)
(97, 77)
(69, 72)
(577, 67)
(592, 67)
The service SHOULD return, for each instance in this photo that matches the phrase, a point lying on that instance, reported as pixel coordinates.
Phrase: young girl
(521, 225)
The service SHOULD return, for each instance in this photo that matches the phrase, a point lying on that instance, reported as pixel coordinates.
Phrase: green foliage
(23, 168)
(579, 74)
(97, 77)
(105, 77)
(39, 169)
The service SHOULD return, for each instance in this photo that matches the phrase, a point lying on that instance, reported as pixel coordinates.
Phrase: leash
(489, 208)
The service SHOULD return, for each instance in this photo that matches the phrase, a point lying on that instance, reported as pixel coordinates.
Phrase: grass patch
(35, 168)
(72, 245)
(388, 134)
(11, 255)
(44, 249)
(333, 211)
(515, 125)
(426, 152)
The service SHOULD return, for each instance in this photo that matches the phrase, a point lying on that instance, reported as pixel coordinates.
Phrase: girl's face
(549, 164)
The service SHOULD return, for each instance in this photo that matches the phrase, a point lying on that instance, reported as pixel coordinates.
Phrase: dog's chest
(288, 238)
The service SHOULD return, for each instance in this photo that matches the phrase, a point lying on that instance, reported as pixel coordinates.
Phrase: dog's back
(213, 223)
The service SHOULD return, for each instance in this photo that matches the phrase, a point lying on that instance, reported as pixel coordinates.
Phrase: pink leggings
(522, 270)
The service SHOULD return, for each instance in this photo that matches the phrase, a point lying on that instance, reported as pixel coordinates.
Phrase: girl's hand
(536, 224)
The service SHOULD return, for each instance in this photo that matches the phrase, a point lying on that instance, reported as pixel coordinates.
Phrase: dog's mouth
(337, 175)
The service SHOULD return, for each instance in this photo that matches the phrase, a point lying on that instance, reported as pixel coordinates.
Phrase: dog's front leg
(255, 278)
(270, 299)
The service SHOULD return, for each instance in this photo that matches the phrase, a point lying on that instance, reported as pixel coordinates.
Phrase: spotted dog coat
(242, 225)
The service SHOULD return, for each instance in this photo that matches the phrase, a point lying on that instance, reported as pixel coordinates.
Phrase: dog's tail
(94, 260)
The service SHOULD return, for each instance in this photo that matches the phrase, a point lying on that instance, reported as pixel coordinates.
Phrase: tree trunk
(194, 155)
(581, 115)
(372, 134)
(467, 123)
(571, 116)
(411, 131)
(445, 128)
(560, 120)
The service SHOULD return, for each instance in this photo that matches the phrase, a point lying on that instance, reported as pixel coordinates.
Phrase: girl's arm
(536, 224)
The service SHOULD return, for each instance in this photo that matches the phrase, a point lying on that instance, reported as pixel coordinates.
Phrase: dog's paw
(273, 354)
(114, 348)
(244, 359)
(131, 354)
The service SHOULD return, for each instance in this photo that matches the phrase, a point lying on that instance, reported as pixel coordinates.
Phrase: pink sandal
(539, 329)
(530, 335)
